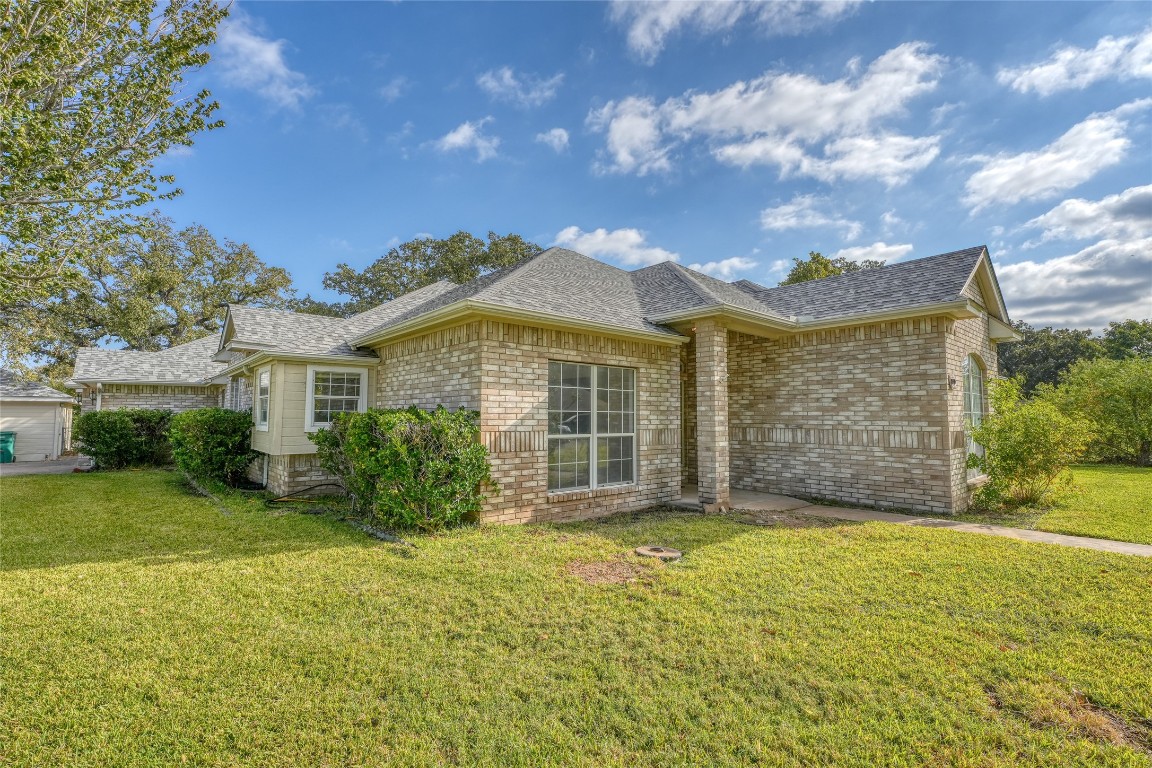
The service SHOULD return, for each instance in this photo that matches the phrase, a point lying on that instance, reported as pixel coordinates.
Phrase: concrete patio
(753, 501)
(60, 466)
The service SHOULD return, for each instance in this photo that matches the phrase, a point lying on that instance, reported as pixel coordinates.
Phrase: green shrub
(409, 468)
(1028, 446)
(213, 443)
(131, 437)
(1116, 396)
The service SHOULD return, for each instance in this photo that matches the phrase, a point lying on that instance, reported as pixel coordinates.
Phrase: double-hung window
(263, 398)
(591, 426)
(973, 375)
(332, 391)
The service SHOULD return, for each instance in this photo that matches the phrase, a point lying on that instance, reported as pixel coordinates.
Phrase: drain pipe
(264, 474)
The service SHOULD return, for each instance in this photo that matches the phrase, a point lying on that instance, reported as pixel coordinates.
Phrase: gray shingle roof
(556, 282)
(668, 287)
(13, 388)
(186, 363)
(274, 330)
(930, 280)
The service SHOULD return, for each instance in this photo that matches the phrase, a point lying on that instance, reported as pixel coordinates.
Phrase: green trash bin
(7, 447)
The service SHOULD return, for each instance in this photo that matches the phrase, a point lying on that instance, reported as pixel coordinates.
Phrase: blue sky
(730, 136)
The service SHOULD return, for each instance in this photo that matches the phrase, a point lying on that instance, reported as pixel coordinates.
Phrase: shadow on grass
(686, 530)
(148, 517)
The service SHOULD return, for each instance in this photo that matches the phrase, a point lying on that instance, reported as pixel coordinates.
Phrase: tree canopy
(153, 288)
(415, 264)
(1046, 353)
(90, 97)
(818, 266)
(1116, 396)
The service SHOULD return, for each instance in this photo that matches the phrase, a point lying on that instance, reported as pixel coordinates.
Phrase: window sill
(976, 482)
(590, 493)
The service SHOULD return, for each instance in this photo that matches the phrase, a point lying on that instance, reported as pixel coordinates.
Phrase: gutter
(798, 324)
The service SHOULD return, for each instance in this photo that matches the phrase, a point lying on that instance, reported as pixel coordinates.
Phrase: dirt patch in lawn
(784, 520)
(606, 571)
(1073, 712)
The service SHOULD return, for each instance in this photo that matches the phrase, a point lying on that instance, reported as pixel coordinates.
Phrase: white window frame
(262, 426)
(595, 435)
(310, 385)
(974, 387)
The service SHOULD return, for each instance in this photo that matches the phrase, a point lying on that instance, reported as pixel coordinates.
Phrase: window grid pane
(334, 392)
(607, 416)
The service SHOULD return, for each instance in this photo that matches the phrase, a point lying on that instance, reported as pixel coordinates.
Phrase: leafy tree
(1131, 338)
(1044, 354)
(1028, 446)
(415, 264)
(1116, 396)
(89, 98)
(818, 266)
(149, 290)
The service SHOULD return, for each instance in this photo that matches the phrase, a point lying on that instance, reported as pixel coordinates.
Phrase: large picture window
(973, 374)
(332, 391)
(591, 426)
(263, 398)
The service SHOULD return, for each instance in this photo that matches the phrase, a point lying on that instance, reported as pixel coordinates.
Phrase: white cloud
(880, 251)
(341, 117)
(803, 213)
(557, 138)
(470, 135)
(394, 88)
(1108, 280)
(1122, 58)
(1087, 148)
(1127, 215)
(650, 24)
(806, 127)
(726, 269)
(256, 63)
(892, 222)
(628, 247)
(522, 89)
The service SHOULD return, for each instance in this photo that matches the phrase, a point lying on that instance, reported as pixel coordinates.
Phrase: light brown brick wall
(514, 421)
(965, 337)
(293, 474)
(712, 397)
(501, 370)
(174, 398)
(438, 368)
(853, 414)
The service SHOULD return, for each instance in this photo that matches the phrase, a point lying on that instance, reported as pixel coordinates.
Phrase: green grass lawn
(1111, 502)
(143, 626)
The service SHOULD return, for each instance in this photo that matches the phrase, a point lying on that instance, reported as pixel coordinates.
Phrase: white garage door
(37, 427)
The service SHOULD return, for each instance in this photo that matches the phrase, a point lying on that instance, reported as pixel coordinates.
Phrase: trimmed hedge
(213, 443)
(408, 468)
(132, 437)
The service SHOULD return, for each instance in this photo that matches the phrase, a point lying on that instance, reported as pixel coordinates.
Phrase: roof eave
(961, 308)
(264, 356)
(470, 307)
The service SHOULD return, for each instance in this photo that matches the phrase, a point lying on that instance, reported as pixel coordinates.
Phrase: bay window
(263, 398)
(591, 426)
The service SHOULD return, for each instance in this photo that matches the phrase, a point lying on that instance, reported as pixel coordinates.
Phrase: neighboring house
(40, 416)
(178, 378)
(602, 390)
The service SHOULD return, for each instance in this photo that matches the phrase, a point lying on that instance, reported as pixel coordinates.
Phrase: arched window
(973, 373)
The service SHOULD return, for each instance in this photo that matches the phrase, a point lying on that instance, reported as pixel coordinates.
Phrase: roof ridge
(693, 283)
(856, 275)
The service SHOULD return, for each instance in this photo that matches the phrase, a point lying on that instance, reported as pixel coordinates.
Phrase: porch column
(712, 414)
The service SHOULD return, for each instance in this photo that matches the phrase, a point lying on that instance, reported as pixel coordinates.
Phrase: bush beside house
(409, 468)
(132, 437)
(213, 443)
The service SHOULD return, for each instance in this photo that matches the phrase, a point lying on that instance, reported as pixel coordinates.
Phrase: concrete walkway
(58, 467)
(752, 501)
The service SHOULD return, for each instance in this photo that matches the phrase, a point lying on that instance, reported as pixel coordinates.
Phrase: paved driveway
(59, 467)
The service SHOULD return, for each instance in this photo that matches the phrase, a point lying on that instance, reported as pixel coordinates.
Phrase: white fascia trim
(960, 308)
(243, 366)
(999, 331)
(17, 400)
(310, 399)
(466, 307)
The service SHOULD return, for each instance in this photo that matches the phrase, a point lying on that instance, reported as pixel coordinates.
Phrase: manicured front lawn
(141, 626)
(1111, 502)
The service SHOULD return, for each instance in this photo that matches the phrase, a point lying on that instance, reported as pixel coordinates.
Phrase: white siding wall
(37, 426)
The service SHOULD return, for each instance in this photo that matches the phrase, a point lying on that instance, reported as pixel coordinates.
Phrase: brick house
(601, 389)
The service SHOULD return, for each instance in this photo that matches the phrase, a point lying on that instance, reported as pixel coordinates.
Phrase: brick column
(712, 414)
